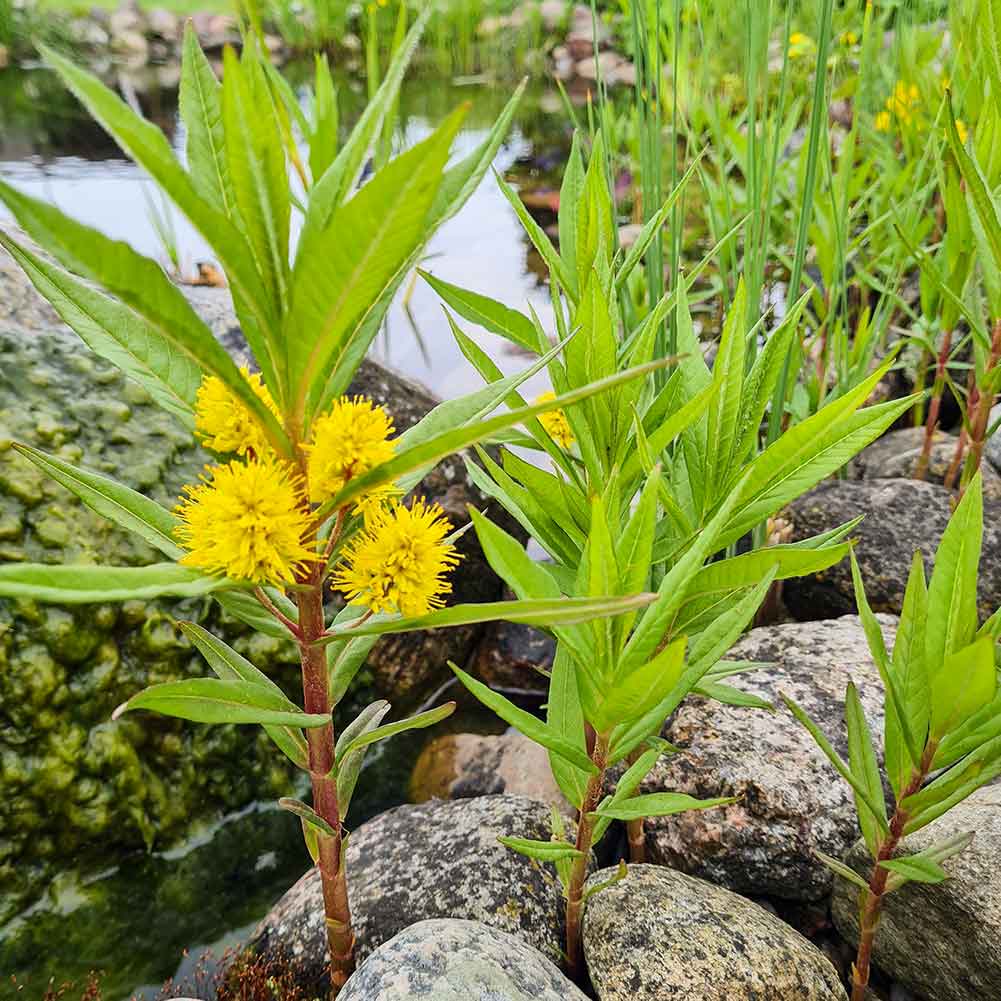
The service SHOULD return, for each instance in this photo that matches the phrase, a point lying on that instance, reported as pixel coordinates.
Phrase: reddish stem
(931, 423)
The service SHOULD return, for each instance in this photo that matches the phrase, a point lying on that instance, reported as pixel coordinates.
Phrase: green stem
(578, 873)
(330, 860)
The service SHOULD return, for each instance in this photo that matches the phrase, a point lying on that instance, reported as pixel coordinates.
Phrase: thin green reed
(818, 131)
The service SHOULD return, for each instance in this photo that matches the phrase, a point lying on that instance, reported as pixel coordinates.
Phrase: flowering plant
(309, 484)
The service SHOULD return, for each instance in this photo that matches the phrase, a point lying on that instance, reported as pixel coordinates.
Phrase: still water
(146, 917)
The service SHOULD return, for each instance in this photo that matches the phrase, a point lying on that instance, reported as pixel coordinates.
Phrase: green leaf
(120, 504)
(842, 870)
(966, 683)
(508, 559)
(926, 862)
(524, 722)
(350, 762)
(565, 718)
(201, 111)
(342, 270)
(418, 722)
(660, 804)
(208, 700)
(865, 769)
(634, 694)
(323, 137)
(149, 147)
(86, 584)
(488, 313)
(307, 814)
(626, 787)
(915, 869)
(117, 333)
(541, 851)
(231, 666)
(570, 193)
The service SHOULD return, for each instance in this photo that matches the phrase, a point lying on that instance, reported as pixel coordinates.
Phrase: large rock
(660, 934)
(446, 959)
(466, 765)
(791, 802)
(901, 516)
(944, 941)
(432, 860)
(992, 450)
(514, 657)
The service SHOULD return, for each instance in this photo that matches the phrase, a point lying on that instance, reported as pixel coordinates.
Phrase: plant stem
(578, 873)
(634, 828)
(873, 904)
(980, 406)
(921, 471)
(333, 875)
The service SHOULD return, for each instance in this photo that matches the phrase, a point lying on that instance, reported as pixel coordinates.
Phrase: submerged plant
(942, 733)
(306, 491)
(649, 488)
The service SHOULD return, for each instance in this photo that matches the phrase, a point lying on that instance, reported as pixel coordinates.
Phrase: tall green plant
(648, 488)
(942, 735)
(305, 492)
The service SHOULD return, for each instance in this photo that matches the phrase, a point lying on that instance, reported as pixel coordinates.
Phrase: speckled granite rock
(660, 934)
(791, 802)
(464, 765)
(453, 960)
(896, 454)
(943, 942)
(431, 860)
(902, 515)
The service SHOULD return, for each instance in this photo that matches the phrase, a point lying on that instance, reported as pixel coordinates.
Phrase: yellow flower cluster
(253, 518)
(555, 423)
(800, 45)
(901, 105)
(399, 561)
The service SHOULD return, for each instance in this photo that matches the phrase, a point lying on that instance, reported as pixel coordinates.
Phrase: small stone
(514, 657)
(131, 44)
(432, 860)
(790, 801)
(992, 450)
(466, 765)
(164, 23)
(553, 13)
(943, 942)
(660, 934)
(588, 68)
(449, 959)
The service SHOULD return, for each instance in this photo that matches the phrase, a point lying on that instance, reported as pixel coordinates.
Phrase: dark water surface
(134, 919)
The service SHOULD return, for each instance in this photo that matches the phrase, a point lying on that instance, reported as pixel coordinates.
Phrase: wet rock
(465, 765)
(901, 516)
(992, 450)
(896, 455)
(791, 802)
(455, 960)
(432, 860)
(514, 657)
(661, 934)
(942, 942)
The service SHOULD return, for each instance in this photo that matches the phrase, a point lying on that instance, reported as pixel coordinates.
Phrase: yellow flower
(963, 131)
(555, 422)
(398, 562)
(800, 45)
(903, 102)
(247, 521)
(346, 442)
(224, 424)
(849, 38)
(882, 121)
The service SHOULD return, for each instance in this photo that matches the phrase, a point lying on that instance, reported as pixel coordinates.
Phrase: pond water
(147, 917)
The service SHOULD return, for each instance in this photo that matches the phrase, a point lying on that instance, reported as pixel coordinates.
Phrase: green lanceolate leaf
(85, 584)
(350, 761)
(117, 333)
(924, 866)
(660, 804)
(208, 700)
(865, 769)
(418, 722)
(966, 682)
(541, 851)
(120, 504)
(323, 136)
(634, 694)
(508, 559)
(231, 666)
(307, 814)
(244, 606)
(626, 787)
(531, 726)
(565, 718)
(842, 870)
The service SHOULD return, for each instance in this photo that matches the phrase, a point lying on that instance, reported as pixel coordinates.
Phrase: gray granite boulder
(943, 942)
(993, 447)
(791, 802)
(447, 959)
(432, 860)
(901, 515)
(660, 934)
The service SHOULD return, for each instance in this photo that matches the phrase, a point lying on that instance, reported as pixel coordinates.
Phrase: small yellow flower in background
(849, 38)
(800, 45)
(246, 520)
(903, 102)
(555, 422)
(946, 82)
(346, 442)
(399, 561)
(224, 424)
(882, 121)
(962, 130)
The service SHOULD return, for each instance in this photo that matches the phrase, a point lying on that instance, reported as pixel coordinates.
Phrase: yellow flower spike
(224, 424)
(347, 441)
(555, 422)
(962, 130)
(882, 121)
(247, 520)
(849, 38)
(398, 562)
